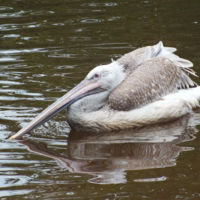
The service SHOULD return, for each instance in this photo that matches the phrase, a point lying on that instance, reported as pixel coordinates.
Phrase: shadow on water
(107, 156)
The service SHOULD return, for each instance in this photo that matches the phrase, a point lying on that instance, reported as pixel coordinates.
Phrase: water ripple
(15, 15)
(88, 20)
(7, 59)
(12, 27)
(19, 51)
(6, 193)
(18, 113)
(9, 98)
(110, 4)
(19, 91)
(11, 36)
(10, 83)
(2, 8)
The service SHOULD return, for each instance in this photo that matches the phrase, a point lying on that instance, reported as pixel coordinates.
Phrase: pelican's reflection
(109, 155)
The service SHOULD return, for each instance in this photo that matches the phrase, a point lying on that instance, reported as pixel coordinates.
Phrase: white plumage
(170, 107)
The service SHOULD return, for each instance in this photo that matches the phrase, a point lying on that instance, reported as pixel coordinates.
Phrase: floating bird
(146, 86)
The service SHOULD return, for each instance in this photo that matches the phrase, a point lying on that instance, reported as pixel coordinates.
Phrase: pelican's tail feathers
(192, 96)
(189, 71)
(167, 52)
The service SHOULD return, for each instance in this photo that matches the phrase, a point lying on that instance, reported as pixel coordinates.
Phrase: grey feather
(149, 82)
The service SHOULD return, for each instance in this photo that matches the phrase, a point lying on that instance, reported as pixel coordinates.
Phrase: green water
(47, 47)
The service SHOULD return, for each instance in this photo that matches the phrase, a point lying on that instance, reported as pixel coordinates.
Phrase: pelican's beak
(85, 88)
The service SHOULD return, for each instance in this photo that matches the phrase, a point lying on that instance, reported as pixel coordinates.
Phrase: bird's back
(162, 73)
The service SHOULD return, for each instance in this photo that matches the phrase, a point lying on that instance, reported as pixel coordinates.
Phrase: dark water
(47, 47)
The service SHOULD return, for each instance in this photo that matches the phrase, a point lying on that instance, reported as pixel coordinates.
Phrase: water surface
(47, 47)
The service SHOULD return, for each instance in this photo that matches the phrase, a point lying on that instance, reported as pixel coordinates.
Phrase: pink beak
(85, 88)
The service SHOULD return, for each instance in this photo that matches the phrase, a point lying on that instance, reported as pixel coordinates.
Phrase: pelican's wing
(132, 60)
(149, 82)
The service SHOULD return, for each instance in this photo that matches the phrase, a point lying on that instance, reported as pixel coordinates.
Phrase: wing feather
(132, 60)
(149, 82)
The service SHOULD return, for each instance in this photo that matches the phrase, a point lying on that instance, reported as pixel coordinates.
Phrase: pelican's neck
(87, 104)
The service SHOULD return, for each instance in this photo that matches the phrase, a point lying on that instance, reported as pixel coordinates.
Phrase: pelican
(148, 85)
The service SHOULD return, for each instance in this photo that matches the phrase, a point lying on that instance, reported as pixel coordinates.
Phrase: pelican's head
(106, 76)
(102, 79)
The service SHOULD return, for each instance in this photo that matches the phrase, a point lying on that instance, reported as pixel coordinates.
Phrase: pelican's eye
(96, 76)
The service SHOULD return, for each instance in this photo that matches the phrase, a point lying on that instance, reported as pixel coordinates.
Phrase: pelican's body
(107, 119)
(145, 86)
